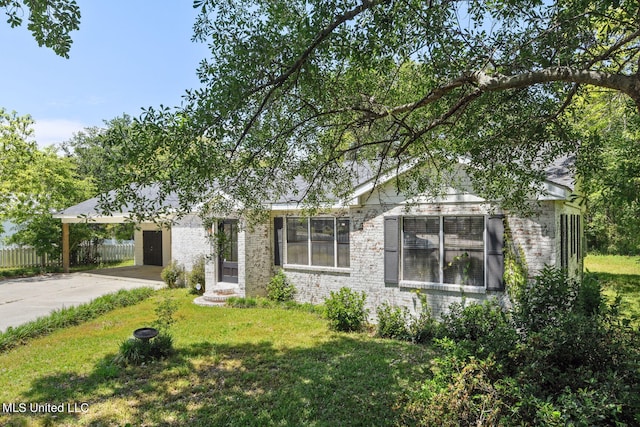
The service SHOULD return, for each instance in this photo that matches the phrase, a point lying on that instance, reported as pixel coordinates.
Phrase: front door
(152, 247)
(228, 251)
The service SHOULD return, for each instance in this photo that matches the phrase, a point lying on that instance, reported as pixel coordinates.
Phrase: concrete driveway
(23, 300)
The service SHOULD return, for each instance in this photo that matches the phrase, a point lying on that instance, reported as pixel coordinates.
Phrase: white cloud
(54, 131)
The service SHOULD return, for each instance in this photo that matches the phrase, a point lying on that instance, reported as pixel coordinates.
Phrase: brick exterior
(537, 236)
(190, 240)
(255, 260)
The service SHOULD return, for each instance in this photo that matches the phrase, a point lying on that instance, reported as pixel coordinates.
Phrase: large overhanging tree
(317, 88)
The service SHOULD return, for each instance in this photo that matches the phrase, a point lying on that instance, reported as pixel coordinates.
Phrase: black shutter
(278, 224)
(391, 249)
(564, 246)
(495, 253)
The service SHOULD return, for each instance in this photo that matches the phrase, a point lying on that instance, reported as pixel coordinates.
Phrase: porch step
(217, 296)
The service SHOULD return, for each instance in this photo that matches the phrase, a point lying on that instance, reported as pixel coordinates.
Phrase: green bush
(422, 328)
(346, 311)
(392, 322)
(137, 352)
(240, 302)
(483, 328)
(279, 288)
(164, 315)
(173, 275)
(196, 276)
(565, 358)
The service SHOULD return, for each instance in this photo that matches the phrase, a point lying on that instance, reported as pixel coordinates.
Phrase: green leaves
(318, 90)
(50, 22)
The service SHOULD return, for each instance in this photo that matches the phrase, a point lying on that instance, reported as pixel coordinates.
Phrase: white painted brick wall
(189, 241)
(535, 235)
(254, 268)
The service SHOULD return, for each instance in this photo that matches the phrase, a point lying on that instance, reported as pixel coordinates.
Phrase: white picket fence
(27, 257)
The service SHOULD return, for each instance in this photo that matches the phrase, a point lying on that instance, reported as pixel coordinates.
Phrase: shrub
(573, 361)
(173, 275)
(196, 277)
(392, 322)
(279, 288)
(240, 302)
(345, 310)
(137, 352)
(483, 328)
(164, 315)
(422, 328)
(540, 305)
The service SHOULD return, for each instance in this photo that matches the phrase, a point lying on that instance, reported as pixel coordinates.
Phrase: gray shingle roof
(560, 173)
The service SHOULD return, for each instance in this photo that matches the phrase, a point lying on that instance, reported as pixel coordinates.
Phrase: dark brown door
(152, 247)
(228, 251)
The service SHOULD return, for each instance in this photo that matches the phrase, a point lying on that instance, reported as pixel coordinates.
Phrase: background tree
(90, 152)
(34, 183)
(317, 88)
(610, 170)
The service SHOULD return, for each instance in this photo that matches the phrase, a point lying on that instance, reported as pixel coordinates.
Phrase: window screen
(322, 242)
(421, 249)
(342, 232)
(464, 250)
(325, 239)
(297, 241)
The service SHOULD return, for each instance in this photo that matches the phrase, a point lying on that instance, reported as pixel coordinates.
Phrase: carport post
(65, 247)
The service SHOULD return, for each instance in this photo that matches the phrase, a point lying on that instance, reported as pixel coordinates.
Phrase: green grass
(232, 367)
(620, 276)
(70, 316)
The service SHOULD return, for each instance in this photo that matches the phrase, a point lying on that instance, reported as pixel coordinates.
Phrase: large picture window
(319, 241)
(447, 249)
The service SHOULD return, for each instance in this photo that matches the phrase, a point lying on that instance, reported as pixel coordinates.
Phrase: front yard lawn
(619, 275)
(232, 367)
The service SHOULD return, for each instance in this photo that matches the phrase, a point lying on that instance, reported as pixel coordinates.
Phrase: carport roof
(90, 210)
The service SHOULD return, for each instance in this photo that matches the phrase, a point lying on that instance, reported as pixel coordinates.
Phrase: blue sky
(127, 55)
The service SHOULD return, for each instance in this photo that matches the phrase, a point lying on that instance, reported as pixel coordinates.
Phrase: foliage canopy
(313, 88)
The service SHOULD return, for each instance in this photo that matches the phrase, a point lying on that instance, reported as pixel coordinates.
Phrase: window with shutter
(445, 249)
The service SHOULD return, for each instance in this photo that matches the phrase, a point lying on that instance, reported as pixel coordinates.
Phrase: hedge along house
(380, 243)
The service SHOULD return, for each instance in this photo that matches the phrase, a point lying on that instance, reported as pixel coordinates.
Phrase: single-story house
(448, 247)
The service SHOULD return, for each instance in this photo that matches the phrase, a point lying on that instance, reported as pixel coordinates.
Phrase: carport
(152, 242)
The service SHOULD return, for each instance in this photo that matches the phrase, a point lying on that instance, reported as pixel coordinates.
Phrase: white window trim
(440, 285)
(309, 266)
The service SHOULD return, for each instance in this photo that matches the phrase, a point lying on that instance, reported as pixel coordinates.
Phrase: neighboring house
(382, 244)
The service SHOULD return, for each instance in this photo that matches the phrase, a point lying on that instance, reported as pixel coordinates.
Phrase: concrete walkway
(24, 300)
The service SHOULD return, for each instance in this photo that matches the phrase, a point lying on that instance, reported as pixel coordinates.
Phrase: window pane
(297, 241)
(322, 241)
(342, 234)
(421, 249)
(464, 250)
